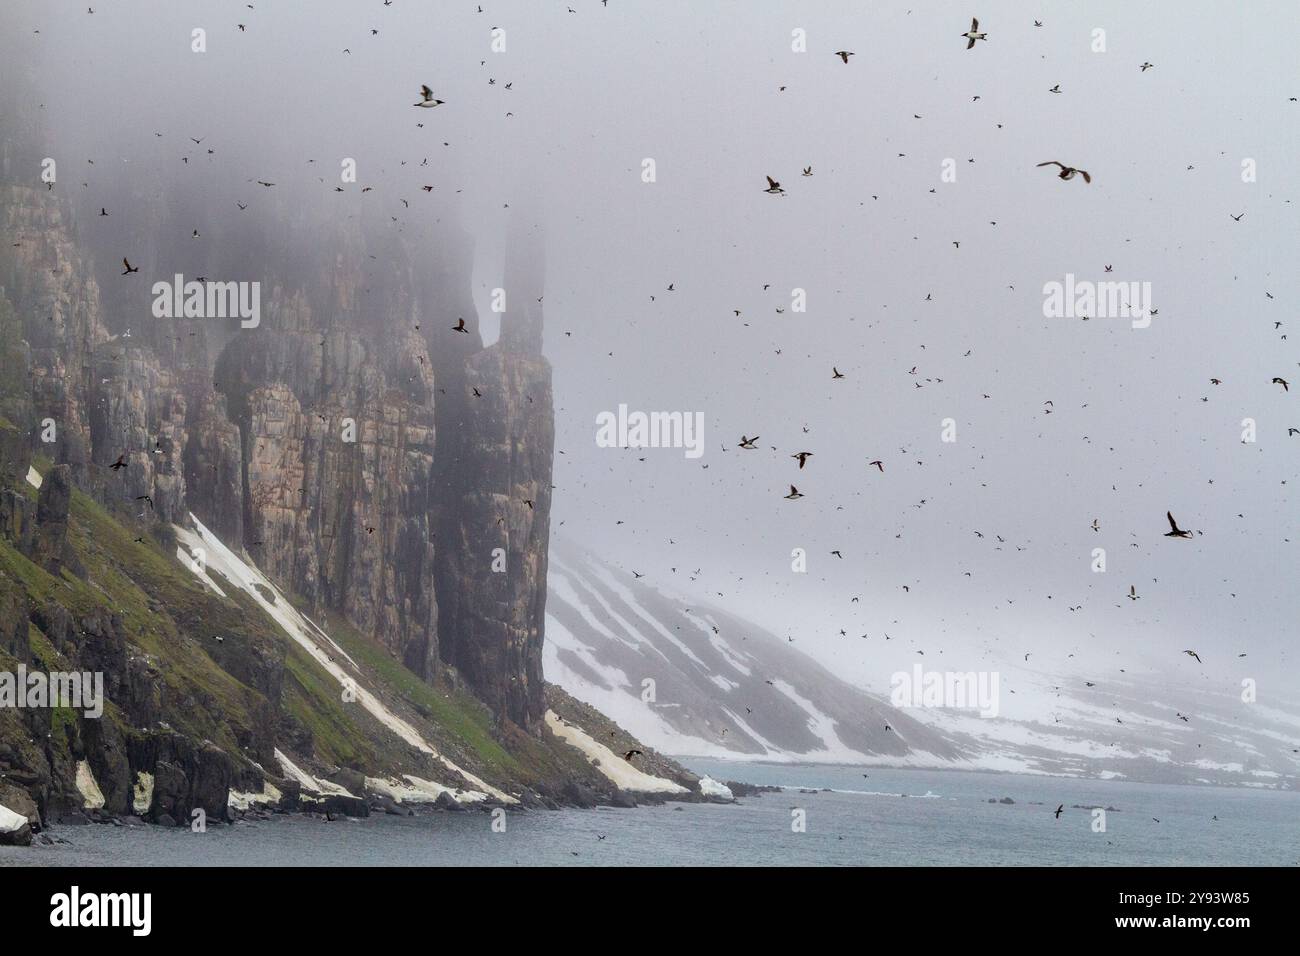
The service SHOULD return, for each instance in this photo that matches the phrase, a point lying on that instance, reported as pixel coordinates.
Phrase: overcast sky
(714, 94)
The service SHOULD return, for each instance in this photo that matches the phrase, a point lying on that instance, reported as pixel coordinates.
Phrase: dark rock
(352, 781)
(19, 837)
(579, 795)
(18, 800)
(187, 775)
(52, 518)
(339, 805)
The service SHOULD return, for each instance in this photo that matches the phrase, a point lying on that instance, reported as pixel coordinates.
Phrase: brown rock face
(214, 465)
(52, 518)
(340, 443)
(139, 411)
(338, 439)
(493, 619)
(57, 298)
(492, 581)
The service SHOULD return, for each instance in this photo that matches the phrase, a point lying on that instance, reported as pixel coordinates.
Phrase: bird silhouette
(427, 99)
(1068, 172)
(973, 34)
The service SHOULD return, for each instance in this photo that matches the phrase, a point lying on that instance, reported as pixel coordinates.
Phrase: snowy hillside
(725, 687)
(721, 686)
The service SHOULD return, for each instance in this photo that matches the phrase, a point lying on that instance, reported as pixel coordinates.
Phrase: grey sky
(696, 87)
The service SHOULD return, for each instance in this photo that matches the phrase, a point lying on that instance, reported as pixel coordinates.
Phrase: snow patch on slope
(642, 721)
(304, 632)
(418, 790)
(11, 822)
(618, 771)
(92, 797)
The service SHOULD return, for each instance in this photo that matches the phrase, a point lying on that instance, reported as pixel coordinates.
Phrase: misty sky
(698, 87)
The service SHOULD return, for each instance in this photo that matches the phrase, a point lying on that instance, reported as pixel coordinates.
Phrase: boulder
(17, 800)
(14, 828)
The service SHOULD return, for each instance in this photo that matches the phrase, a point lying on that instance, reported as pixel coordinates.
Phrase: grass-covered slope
(204, 687)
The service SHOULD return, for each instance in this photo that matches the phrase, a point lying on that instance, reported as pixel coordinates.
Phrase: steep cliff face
(338, 441)
(57, 301)
(214, 463)
(305, 555)
(374, 461)
(493, 584)
(492, 581)
(137, 415)
(371, 459)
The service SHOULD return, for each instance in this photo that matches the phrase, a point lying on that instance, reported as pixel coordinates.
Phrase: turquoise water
(945, 819)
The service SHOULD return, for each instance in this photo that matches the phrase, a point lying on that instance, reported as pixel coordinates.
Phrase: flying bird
(973, 34)
(803, 457)
(773, 186)
(1067, 172)
(1175, 531)
(128, 269)
(794, 493)
(1193, 654)
(844, 55)
(427, 100)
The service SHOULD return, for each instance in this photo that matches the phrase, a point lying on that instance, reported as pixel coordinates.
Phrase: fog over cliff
(1058, 421)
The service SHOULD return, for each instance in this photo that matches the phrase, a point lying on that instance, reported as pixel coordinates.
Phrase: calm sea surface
(889, 817)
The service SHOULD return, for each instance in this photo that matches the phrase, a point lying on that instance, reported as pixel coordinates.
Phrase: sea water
(852, 816)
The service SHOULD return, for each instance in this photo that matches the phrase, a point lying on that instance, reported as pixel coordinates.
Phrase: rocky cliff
(234, 523)
(312, 441)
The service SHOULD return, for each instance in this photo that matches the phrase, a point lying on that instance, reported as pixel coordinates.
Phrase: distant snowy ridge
(721, 687)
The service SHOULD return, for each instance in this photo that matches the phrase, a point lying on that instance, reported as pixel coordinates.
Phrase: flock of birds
(428, 100)
(1065, 172)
